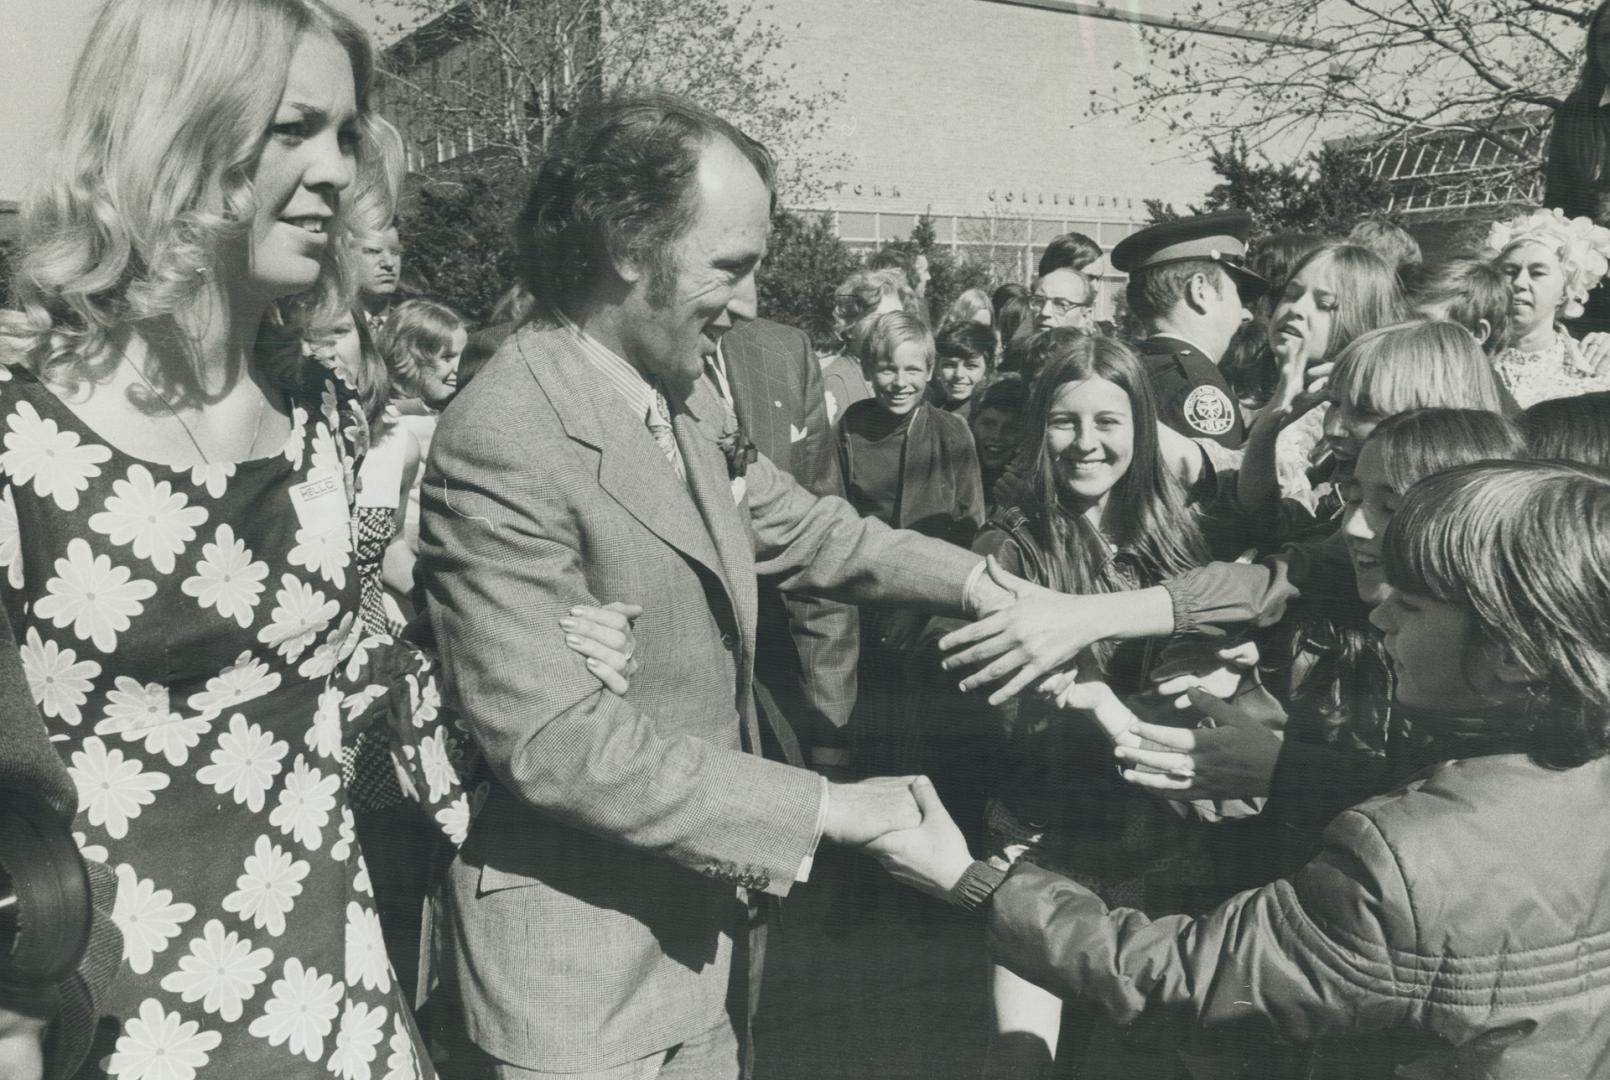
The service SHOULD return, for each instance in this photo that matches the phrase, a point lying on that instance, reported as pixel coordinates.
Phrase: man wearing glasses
(1062, 298)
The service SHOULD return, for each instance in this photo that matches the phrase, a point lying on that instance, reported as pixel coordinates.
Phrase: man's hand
(22, 1042)
(996, 588)
(932, 856)
(861, 812)
(1235, 760)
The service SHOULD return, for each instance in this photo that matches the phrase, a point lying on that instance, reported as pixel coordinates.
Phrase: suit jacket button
(729, 642)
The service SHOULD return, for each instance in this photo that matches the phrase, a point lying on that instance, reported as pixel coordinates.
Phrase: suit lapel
(697, 422)
(750, 377)
(631, 467)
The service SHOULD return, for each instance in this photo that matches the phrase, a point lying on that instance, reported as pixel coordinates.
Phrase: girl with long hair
(1335, 293)
(1098, 513)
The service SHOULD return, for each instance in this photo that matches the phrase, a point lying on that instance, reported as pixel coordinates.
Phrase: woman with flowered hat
(1552, 262)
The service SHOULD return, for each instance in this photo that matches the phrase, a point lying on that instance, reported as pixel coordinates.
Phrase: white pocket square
(740, 488)
(795, 434)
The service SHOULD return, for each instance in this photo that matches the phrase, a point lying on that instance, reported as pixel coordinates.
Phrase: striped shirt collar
(637, 391)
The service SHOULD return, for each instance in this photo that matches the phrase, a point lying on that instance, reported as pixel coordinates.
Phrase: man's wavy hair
(167, 112)
(618, 187)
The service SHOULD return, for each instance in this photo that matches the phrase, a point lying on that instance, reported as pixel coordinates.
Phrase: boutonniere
(737, 449)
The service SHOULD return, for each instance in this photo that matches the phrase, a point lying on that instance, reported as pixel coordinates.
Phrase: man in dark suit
(597, 916)
(806, 647)
(1190, 290)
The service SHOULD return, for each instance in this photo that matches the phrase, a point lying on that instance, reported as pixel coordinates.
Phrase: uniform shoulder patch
(1209, 410)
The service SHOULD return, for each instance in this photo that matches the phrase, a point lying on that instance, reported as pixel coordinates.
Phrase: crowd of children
(1260, 641)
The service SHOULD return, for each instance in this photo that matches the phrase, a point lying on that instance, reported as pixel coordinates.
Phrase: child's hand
(1187, 665)
(1096, 699)
(1233, 757)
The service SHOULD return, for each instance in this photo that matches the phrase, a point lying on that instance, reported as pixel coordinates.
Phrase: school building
(972, 111)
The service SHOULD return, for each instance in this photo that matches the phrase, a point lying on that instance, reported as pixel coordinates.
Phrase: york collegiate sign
(1014, 197)
(1057, 198)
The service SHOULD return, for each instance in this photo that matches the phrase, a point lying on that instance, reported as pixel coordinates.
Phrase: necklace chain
(257, 426)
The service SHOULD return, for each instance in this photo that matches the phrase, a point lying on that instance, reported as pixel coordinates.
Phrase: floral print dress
(1554, 372)
(191, 637)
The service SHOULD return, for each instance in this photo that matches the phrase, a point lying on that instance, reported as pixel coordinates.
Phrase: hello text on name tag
(321, 502)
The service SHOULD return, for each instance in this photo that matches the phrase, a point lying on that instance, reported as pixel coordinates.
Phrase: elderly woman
(1552, 262)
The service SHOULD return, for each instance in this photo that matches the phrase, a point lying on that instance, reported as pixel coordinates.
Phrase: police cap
(1219, 238)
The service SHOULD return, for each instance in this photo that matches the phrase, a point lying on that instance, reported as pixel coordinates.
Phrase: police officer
(1190, 289)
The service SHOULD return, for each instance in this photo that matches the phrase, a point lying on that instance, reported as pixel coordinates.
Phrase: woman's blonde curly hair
(150, 177)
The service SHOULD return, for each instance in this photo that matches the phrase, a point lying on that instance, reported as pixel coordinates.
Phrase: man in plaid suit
(806, 647)
(595, 912)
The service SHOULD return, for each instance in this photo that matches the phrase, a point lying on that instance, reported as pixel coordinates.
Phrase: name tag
(321, 502)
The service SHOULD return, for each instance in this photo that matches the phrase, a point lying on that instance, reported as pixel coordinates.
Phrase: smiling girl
(1101, 514)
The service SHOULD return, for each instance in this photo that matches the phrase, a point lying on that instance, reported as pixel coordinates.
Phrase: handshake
(900, 821)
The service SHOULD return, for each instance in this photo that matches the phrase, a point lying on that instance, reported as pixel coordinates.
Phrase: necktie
(718, 379)
(659, 426)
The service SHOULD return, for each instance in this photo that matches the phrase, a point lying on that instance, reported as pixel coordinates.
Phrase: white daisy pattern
(324, 734)
(245, 763)
(268, 888)
(159, 1045)
(296, 446)
(436, 759)
(323, 660)
(366, 950)
(92, 852)
(149, 917)
(10, 541)
(112, 789)
(357, 1040)
(325, 552)
(222, 971)
(301, 1011)
(139, 713)
(93, 596)
(300, 614)
(148, 516)
(60, 681)
(213, 477)
(198, 682)
(53, 460)
(227, 578)
(305, 803)
(400, 1061)
(247, 679)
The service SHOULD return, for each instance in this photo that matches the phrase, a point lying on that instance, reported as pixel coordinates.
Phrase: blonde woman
(176, 492)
